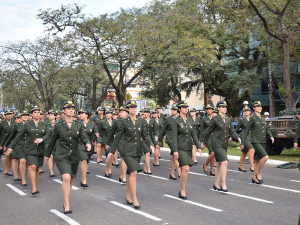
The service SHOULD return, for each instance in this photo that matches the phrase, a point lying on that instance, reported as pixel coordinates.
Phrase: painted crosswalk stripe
(195, 203)
(59, 181)
(295, 181)
(136, 211)
(244, 196)
(106, 178)
(149, 175)
(64, 217)
(16, 189)
(279, 188)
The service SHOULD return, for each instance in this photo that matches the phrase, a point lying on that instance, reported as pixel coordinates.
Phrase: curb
(233, 157)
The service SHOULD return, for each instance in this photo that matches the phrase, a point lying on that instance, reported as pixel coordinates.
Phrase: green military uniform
(242, 124)
(167, 129)
(115, 125)
(220, 132)
(159, 125)
(160, 115)
(133, 134)
(51, 130)
(204, 125)
(67, 154)
(210, 102)
(98, 120)
(5, 129)
(259, 130)
(151, 128)
(296, 138)
(104, 129)
(34, 153)
(183, 132)
(197, 123)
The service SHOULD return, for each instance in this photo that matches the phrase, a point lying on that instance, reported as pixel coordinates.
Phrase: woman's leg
(7, 163)
(15, 167)
(156, 155)
(212, 163)
(217, 177)
(66, 189)
(33, 176)
(178, 168)
(223, 172)
(172, 166)
(132, 181)
(97, 150)
(242, 159)
(194, 153)
(101, 151)
(51, 165)
(116, 158)
(210, 158)
(108, 165)
(84, 168)
(123, 170)
(147, 163)
(183, 177)
(260, 166)
(128, 197)
(251, 158)
(23, 169)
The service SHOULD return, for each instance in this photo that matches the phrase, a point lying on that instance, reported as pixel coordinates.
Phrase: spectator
(210, 102)
(267, 115)
(245, 103)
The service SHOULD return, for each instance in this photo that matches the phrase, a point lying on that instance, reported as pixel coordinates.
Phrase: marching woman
(159, 124)
(296, 138)
(98, 146)
(115, 126)
(248, 148)
(204, 125)
(67, 132)
(220, 128)
(196, 121)
(183, 132)
(167, 129)
(51, 162)
(115, 159)
(35, 133)
(6, 127)
(134, 131)
(92, 133)
(258, 129)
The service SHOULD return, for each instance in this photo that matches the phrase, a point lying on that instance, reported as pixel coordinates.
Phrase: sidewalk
(233, 157)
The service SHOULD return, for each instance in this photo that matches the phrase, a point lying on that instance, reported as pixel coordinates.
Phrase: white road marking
(279, 188)
(16, 189)
(106, 178)
(244, 196)
(64, 217)
(59, 181)
(136, 211)
(295, 181)
(149, 175)
(167, 160)
(194, 203)
(200, 174)
(236, 171)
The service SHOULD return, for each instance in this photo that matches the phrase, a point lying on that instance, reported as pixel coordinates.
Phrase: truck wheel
(271, 149)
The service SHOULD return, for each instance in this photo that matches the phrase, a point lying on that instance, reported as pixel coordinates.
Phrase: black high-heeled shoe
(9, 174)
(255, 182)
(205, 171)
(136, 206)
(117, 165)
(261, 181)
(34, 193)
(251, 170)
(173, 178)
(145, 172)
(196, 162)
(107, 175)
(215, 188)
(83, 185)
(129, 203)
(212, 174)
(155, 164)
(53, 175)
(68, 212)
(224, 190)
(242, 170)
(23, 184)
(181, 196)
(88, 172)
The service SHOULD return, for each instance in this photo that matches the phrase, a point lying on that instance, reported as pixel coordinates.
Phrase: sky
(18, 17)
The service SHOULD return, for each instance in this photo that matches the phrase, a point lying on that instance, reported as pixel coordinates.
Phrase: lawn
(287, 155)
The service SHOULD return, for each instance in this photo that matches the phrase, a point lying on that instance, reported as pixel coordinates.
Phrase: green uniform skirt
(247, 146)
(260, 151)
(185, 158)
(133, 163)
(208, 145)
(13, 155)
(99, 139)
(66, 167)
(220, 154)
(85, 155)
(171, 147)
(36, 160)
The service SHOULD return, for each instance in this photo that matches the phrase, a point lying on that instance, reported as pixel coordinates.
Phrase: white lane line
(59, 181)
(149, 175)
(279, 188)
(194, 203)
(200, 174)
(167, 160)
(136, 211)
(16, 189)
(106, 178)
(244, 196)
(236, 171)
(295, 180)
(64, 217)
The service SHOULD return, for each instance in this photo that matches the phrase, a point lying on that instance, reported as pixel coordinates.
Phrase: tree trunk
(287, 75)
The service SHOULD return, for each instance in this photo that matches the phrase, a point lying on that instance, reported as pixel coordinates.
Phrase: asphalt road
(275, 202)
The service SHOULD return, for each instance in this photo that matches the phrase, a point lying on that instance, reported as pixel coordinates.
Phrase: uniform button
(36, 134)
(187, 135)
(263, 131)
(70, 144)
(25, 141)
(35, 129)
(69, 131)
(186, 139)
(135, 132)
(70, 150)
(135, 143)
(186, 130)
(264, 136)
(225, 141)
(135, 137)
(225, 136)
(70, 137)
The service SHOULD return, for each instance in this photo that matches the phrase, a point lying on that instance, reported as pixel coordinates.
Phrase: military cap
(8, 112)
(131, 103)
(192, 110)
(256, 103)
(222, 104)
(114, 113)
(75, 115)
(1, 116)
(247, 108)
(216, 111)
(41, 112)
(51, 112)
(69, 104)
(141, 110)
(34, 108)
(209, 96)
(108, 111)
(100, 109)
(174, 106)
(18, 115)
(158, 107)
(25, 113)
(117, 108)
(83, 111)
(122, 108)
(183, 104)
(146, 110)
(209, 107)
(154, 111)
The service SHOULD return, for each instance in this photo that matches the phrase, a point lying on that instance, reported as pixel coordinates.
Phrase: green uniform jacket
(183, 134)
(20, 145)
(204, 125)
(32, 132)
(166, 129)
(159, 125)
(133, 136)
(197, 123)
(243, 124)
(161, 116)
(5, 129)
(67, 147)
(91, 131)
(221, 132)
(115, 125)
(97, 119)
(104, 129)
(51, 130)
(297, 133)
(258, 129)
(152, 130)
